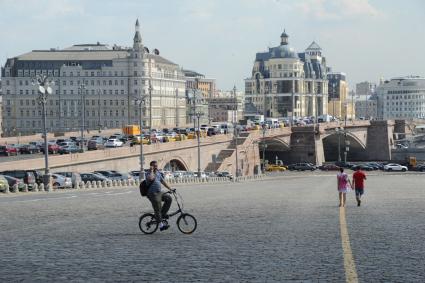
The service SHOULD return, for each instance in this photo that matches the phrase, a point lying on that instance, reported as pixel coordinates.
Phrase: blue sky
(367, 39)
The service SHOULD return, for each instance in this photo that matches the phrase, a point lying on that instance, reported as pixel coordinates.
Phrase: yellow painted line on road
(349, 264)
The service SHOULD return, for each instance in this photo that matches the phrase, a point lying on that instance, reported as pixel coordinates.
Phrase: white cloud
(336, 9)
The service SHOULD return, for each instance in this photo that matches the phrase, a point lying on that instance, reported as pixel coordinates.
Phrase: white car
(395, 167)
(60, 181)
(113, 143)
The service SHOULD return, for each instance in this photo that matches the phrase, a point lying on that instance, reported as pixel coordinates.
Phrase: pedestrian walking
(358, 183)
(343, 186)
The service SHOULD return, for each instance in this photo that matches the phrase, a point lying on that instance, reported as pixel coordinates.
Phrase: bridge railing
(127, 183)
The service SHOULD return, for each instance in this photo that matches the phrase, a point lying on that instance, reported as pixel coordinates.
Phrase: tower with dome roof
(285, 83)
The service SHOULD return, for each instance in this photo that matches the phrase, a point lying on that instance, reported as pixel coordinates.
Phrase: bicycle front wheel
(148, 223)
(187, 223)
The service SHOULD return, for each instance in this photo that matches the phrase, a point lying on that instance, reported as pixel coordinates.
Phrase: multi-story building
(198, 90)
(1, 119)
(197, 81)
(401, 98)
(285, 83)
(366, 108)
(340, 103)
(107, 80)
(365, 89)
(226, 108)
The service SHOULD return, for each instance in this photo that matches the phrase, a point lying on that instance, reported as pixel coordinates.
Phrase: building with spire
(114, 78)
(285, 83)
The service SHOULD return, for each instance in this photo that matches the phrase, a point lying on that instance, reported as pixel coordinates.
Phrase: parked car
(38, 176)
(203, 175)
(136, 140)
(224, 174)
(119, 137)
(420, 167)
(38, 144)
(66, 143)
(4, 183)
(75, 177)
(363, 167)
(13, 181)
(8, 150)
(344, 164)
(275, 168)
(120, 175)
(211, 131)
(60, 181)
(302, 167)
(27, 176)
(95, 144)
(108, 174)
(52, 148)
(377, 165)
(178, 174)
(114, 143)
(29, 149)
(395, 167)
(69, 149)
(89, 177)
(329, 167)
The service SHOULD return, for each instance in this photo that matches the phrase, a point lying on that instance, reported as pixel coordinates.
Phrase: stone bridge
(368, 140)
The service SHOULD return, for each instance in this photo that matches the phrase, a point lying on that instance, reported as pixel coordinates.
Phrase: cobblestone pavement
(276, 230)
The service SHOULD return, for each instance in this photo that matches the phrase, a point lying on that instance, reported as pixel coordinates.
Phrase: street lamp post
(99, 91)
(338, 130)
(141, 102)
(177, 107)
(82, 90)
(150, 105)
(44, 89)
(264, 148)
(235, 128)
(198, 133)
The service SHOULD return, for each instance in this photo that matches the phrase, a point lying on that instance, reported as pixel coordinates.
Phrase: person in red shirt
(358, 179)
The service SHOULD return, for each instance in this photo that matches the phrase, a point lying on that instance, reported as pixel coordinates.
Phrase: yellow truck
(131, 130)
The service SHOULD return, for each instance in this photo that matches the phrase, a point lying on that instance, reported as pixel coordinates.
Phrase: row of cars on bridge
(368, 166)
(63, 180)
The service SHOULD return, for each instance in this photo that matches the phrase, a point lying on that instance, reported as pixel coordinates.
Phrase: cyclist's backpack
(144, 188)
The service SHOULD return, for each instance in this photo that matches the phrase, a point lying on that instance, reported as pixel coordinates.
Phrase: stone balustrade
(134, 183)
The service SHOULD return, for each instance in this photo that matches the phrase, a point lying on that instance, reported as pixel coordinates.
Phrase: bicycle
(185, 222)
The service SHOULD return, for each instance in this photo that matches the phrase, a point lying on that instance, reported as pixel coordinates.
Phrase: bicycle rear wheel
(187, 223)
(148, 223)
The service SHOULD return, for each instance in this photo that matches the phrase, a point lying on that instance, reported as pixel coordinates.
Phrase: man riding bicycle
(154, 179)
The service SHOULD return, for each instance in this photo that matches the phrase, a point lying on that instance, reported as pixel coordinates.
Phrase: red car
(8, 150)
(53, 148)
(329, 167)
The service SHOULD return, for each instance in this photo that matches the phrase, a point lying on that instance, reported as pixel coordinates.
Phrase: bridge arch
(175, 164)
(357, 148)
(275, 147)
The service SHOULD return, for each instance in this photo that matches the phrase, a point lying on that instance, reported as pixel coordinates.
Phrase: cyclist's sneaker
(163, 226)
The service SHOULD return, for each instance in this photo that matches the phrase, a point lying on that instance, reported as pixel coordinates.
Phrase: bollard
(49, 188)
(137, 183)
(104, 184)
(25, 188)
(15, 188)
(99, 184)
(94, 184)
(41, 187)
(6, 189)
(88, 185)
(123, 183)
(35, 188)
